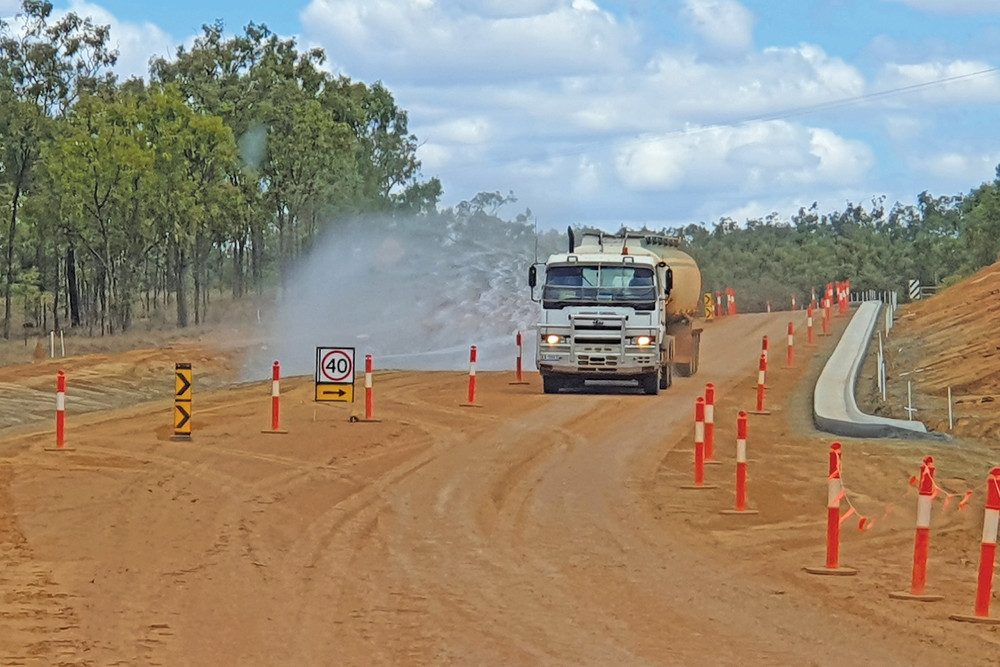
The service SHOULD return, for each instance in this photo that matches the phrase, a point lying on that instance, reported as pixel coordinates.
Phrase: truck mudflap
(687, 347)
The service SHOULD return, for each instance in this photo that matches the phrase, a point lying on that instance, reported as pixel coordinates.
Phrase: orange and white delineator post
(718, 304)
(275, 399)
(60, 416)
(761, 376)
(834, 496)
(61, 410)
(791, 345)
(987, 553)
(765, 345)
(699, 447)
(809, 325)
(826, 317)
(710, 423)
(741, 462)
(275, 396)
(794, 307)
(741, 467)
(369, 389)
(518, 365)
(471, 403)
(699, 441)
(921, 544)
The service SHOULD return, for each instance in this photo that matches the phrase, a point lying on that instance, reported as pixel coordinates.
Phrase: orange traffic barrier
(921, 545)
(60, 415)
(275, 399)
(518, 365)
(761, 373)
(471, 403)
(741, 467)
(699, 446)
(987, 553)
(791, 345)
(710, 423)
(809, 325)
(835, 494)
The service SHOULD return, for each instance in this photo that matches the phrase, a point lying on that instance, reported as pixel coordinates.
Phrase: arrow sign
(183, 384)
(183, 418)
(335, 392)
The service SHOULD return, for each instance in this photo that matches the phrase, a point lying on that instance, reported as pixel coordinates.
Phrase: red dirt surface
(535, 529)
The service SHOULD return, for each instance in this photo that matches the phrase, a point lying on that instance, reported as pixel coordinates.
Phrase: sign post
(182, 401)
(335, 374)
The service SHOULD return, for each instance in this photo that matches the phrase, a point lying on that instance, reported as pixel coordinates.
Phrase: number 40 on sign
(335, 374)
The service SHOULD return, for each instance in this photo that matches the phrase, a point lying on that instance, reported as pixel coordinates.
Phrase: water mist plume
(414, 294)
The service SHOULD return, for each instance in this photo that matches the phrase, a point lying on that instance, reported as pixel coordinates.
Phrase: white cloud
(428, 42)
(752, 158)
(726, 25)
(941, 82)
(960, 7)
(9, 7)
(964, 170)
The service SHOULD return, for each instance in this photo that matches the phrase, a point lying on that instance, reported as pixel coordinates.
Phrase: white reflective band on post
(809, 321)
(368, 380)
(274, 387)
(924, 511)
(699, 432)
(472, 369)
(790, 339)
(760, 377)
(833, 492)
(710, 414)
(518, 351)
(991, 526)
(60, 401)
(741, 451)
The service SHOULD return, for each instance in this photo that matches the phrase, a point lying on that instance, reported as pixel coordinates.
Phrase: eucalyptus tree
(45, 65)
(99, 165)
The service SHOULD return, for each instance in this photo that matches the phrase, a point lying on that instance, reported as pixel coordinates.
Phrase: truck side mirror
(532, 276)
(669, 279)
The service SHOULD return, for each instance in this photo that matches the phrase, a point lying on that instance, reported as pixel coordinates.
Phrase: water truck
(617, 307)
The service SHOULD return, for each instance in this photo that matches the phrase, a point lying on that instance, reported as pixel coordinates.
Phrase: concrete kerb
(835, 409)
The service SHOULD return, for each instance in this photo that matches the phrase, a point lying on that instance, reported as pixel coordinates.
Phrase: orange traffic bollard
(987, 553)
(921, 545)
(835, 494)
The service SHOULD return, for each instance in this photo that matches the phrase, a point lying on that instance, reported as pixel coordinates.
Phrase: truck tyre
(666, 376)
(551, 385)
(650, 383)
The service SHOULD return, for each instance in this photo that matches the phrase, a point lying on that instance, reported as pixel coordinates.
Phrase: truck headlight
(553, 339)
(642, 341)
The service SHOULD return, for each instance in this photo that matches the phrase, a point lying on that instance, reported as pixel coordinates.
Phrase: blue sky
(610, 112)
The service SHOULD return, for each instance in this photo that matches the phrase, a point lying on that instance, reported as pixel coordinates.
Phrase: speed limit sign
(335, 374)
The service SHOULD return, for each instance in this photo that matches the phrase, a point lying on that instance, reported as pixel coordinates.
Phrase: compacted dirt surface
(529, 529)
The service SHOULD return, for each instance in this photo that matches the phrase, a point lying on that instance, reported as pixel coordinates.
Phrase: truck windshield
(602, 284)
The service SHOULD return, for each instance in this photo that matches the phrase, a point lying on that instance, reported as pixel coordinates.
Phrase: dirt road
(534, 529)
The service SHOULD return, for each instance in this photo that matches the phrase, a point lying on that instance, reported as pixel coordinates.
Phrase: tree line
(125, 198)
(220, 169)
(938, 241)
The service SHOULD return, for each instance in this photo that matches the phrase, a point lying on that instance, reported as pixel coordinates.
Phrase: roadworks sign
(335, 374)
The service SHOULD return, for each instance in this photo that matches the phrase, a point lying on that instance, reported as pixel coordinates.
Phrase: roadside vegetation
(123, 201)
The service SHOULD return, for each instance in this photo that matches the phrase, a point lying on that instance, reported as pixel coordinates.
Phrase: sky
(649, 112)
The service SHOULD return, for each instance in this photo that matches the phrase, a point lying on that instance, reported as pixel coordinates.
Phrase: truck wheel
(666, 376)
(551, 385)
(650, 383)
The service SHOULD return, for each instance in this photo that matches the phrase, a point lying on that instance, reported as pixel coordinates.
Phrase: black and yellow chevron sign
(709, 306)
(182, 401)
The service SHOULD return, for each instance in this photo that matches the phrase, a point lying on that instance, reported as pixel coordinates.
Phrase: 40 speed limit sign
(335, 374)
